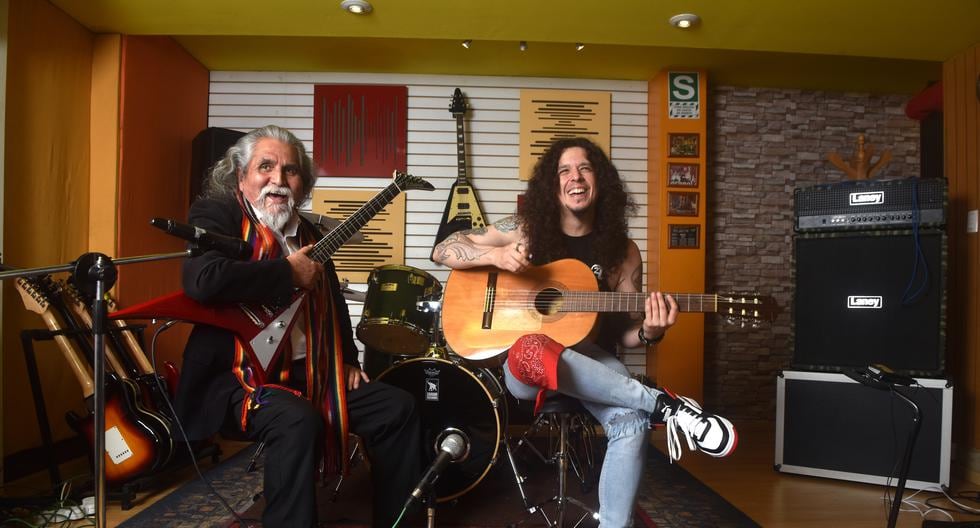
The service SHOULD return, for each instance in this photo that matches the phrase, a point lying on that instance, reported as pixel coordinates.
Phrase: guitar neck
(460, 151)
(580, 301)
(328, 245)
(37, 302)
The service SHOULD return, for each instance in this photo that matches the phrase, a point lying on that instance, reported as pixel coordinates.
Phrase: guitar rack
(126, 493)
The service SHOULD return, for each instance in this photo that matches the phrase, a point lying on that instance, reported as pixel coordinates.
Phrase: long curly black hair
(540, 216)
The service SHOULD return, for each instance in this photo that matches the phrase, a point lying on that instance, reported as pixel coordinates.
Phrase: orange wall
(163, 105)
(678, 361)
(46, 194)
(961, 143)
(142, 99)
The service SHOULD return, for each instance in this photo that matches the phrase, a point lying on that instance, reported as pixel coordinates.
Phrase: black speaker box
(207, 148)
(871, 297)
(828, 425)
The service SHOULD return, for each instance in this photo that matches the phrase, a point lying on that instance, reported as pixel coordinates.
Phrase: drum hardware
(351, 294)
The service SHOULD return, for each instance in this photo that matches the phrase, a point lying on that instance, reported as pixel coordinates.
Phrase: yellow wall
(46, 198)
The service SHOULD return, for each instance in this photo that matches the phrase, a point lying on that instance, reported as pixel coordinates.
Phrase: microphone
(230, 246)
(452, 448)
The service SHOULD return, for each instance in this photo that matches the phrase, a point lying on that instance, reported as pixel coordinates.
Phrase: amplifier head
(871, 204)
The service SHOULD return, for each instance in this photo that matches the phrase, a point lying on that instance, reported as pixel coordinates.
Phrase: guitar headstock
(79, 299)
(746, 309)
(34, 297)
(407, 182)
(457, 106)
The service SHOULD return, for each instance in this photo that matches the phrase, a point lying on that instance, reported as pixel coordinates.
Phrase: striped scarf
(318, 317)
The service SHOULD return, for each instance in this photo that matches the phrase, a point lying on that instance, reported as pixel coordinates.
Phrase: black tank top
(582, 248)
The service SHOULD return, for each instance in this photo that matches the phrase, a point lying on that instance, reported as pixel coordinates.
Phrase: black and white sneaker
(708, 433)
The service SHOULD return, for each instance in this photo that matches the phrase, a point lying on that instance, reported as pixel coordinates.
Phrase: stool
(571, 445)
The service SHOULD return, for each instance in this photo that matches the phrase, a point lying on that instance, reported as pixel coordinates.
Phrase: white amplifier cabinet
(828, 425)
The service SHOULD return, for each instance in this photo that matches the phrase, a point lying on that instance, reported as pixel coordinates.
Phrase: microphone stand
(907, 459)
(95, 273)
(868, 380)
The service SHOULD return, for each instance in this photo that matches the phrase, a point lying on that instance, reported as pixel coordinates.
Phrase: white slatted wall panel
(246, 100)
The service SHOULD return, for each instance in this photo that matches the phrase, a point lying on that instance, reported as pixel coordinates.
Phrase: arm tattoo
(506, 225)
(460, 247)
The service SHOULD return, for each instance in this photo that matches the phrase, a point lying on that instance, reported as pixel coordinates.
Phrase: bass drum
(449, 396)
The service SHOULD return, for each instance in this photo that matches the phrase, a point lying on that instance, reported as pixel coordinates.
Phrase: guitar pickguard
(270, 339)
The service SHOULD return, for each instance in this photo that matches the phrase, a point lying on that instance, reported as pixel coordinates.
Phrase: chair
(571, 446)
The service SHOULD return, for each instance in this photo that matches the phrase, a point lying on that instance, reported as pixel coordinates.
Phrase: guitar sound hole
(548, 301)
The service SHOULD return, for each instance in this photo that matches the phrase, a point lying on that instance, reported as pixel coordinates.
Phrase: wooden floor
(747, 480)
(778, 500)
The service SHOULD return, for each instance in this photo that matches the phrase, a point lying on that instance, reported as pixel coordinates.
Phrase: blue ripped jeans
(622, 405)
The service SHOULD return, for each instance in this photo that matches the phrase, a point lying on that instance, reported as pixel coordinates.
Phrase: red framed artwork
(360, 130)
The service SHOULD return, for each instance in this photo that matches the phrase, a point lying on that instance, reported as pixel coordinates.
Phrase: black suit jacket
(206, 379)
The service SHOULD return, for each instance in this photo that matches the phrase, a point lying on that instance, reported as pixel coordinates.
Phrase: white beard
(276, 216)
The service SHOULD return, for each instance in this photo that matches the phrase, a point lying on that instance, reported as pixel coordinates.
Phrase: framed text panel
(550, 115)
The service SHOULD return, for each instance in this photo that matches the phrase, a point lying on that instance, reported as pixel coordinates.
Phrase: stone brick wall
(762, 144)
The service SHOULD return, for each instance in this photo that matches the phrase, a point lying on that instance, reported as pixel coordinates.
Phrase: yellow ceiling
(874, 45)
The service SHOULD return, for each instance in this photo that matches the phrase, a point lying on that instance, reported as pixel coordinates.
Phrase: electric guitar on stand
(462, 208)
(132, 447)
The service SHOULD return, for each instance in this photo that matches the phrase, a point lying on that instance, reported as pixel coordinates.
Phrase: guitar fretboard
(632, 302)
(328, 245)
(460, 150)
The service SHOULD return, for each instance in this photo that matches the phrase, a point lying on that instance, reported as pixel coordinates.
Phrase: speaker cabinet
(871, 297)
(207, 148)
(828, 425)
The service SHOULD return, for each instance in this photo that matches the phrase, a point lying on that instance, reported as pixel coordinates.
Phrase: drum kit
(401, 320)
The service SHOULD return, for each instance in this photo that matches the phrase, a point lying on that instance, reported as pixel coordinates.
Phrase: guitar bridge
(489, 300)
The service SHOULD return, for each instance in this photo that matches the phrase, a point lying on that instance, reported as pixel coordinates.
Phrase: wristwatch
(648, 342)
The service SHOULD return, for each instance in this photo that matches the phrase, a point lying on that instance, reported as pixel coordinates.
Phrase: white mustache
(277, 190)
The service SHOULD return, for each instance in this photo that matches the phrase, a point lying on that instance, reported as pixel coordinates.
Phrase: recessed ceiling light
(467, 43)
(358, 7)
(684, 20)
(579, 46)
(523, 45)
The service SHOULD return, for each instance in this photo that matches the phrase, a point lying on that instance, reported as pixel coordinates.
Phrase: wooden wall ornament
(360, 130)
(383, 236)
(549, 115)
(860, 167)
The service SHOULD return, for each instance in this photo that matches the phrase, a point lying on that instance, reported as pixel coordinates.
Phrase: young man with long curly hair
(576, 206)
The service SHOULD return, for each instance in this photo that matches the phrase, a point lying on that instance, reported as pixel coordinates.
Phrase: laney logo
(864, 301)
(867, 198)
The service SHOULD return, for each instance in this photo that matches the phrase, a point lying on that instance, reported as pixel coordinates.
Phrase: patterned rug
(670, 497)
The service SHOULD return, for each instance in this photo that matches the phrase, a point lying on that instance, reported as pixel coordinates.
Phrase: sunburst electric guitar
(486, 309)
(462, 208)
(264, 328)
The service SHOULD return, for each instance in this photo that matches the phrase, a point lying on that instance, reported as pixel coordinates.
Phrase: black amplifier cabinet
(828, 425)
(870, 204)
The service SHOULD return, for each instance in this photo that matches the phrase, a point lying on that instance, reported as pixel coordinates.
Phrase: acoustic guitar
(462, 208)
(263, 328)
(485, 309)
(132, 448)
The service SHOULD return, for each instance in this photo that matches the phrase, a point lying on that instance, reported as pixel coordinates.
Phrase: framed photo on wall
(682, 174)
(683, 145)
(682, 203)
(683, 236)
